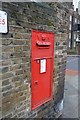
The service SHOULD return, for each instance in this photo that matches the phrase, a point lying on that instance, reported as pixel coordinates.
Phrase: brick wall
(15, 58)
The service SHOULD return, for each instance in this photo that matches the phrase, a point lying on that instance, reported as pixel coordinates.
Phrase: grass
(72, 51)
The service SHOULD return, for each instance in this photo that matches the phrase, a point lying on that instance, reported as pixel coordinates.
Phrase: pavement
(71, 91)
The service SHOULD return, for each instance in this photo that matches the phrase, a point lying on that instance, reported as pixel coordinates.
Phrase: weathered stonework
(15, 58)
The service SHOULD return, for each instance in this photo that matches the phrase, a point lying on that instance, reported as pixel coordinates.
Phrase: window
(79, 36)
(74, 44)
(74, 36)
(70, 27)
(69, 35)
(78, 22)
(69, 44)
(75, 20)
(70, 18)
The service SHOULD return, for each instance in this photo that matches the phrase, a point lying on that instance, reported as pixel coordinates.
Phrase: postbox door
(42, 73)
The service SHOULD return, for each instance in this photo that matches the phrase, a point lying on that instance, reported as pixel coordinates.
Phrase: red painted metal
(42, 64)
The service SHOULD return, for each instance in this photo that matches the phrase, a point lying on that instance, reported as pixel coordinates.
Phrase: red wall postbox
(42, 64)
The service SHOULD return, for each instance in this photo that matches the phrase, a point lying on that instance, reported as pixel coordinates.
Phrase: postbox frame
(51, 86)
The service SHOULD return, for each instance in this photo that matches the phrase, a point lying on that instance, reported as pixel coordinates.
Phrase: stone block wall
(16, 53)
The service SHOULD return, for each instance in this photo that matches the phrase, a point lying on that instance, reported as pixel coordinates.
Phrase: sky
(75, 2)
